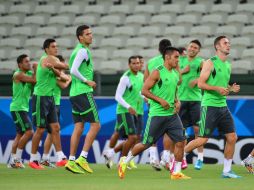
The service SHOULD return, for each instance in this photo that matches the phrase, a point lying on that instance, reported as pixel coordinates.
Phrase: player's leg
(46, 148)
(248, 162)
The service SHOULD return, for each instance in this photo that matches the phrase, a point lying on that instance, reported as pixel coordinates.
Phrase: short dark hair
(217, 40)
(163, 44)
(132, 57)
(181, 49)
(60, 57)
(80, 29)
(196, 42)
(169, 50)
(21, 58)
(47, 43)
(140, 56)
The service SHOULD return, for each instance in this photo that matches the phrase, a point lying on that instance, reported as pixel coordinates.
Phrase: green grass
(143, 178)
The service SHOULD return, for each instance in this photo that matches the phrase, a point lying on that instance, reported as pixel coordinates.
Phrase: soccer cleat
(73, 167)
(108, 161)
(62, 163)
(19, 164)
(47, 163)
(121, 168)
(172, 166)
(16, 164)
(164, 164)
(184, 164)
(230, 174)
(248, 166)
(82, 162)
(198, 165)
(176, 176)
(36, 165)
(132, 165)
(155, 164)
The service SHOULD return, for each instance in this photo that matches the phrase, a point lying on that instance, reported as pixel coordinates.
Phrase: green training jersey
(86, 69)
(219, 76)
(165, 88)
(140, 106)
(57, 95)
(185, 92)
(132, 94)
(154, 63)
(45, 80)
(21, 92)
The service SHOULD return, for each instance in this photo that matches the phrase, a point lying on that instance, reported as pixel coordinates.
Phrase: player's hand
(164, 104)
(235, 88)
(222, 91)
(91, 83)
(193, 83)
(132, 111)
(34, 66)
(49, 65)
(177, 106)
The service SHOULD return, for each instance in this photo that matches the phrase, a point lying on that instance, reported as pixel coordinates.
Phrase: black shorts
(215, 117)
(44, 111)
(84, 108)
(190, 113)
(22, 121)
(58, 116)
(157, 126)
(125, 124)
(139, 123)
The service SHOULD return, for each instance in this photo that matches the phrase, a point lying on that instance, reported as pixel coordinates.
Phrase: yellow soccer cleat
(73, 167)
(132, 165)
(122, 168)
(176, 176)
(81, 161)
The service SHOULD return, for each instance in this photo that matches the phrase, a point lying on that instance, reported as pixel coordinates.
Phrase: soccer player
(160, 87)
(44, 110)
(167, 142)
(248, 162)
(81, 97)
(214, 80)
(128, 96)
(62, 83)
(23, 79)
(189, 93)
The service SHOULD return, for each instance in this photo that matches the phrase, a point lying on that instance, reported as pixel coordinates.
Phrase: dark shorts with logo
(215, 117)
(22, 121)
(190, 113)
(58, 116)
(84, 108)
(126, 124)
(44, 111)
(157, 126)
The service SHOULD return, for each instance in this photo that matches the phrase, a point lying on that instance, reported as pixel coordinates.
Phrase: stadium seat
(182, 42)
(22, 31)
(4, 54)
(201, 31)
(102, 54)
(238, 20)
(148, 53)
(96, 9)
(222, 9)
(113, 43)
(187, 19)
(15, 53)
(65, 43)
(111, 20)
(248, 31)
(206, 53)
(120, 9)
(162, 20)
(12, 43)
(235, 53)
(245, 8)
(62, 20)
(151, 31)
(213, 19)
(241, 67)
(125, 31)
(86, 19)
(137, 43)
(46, 9)
(241, 42)
(4, 31)
(110, 67)
(21, 8)
(208, 42)
(228, 30)
(35, 43)
(155, 42)
(7, 67)
(36, 20)
(122, 54)
(196, 9)
(248, 54)
(11, 20)
(137, 19)
(72, 9)
(102, 31)
(172, 9)
(176, 31)
(48, 31)
(146, 9)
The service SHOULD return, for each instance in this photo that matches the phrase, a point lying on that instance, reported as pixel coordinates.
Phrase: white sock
(33, 157)
(129, 158)
(60, 155)
(178, 166)
(172, 156)
(165, 156)
(72, 158)
(111, 152)
(13, 157)
(45, 157)
(201, 156)
(227, 165)
(19, 153)
(152, 152)
(84, 154)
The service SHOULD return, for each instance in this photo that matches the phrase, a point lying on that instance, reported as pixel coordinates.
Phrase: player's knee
(29, 133)
(55, 128)
(232, 138)
(179, 145)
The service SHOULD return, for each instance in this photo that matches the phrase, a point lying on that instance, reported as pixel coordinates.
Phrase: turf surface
(143, 178)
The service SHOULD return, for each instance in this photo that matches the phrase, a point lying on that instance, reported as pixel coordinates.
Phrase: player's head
(142, 62)
(50, 47)
(171, 56)
(222, 45)
(60, 57)
(84, 35)
(163, 44)
(193, 48)
(134, 64)
(23, 62)
(182, 51)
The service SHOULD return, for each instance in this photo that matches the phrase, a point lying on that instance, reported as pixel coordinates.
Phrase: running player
(23, 79)
(81, 97)
(161, 87)
(214, 80)
(62, 83)
(189, 93)
(248, 162)
(44, 112)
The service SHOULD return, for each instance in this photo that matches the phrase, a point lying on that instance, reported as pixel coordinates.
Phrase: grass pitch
(143, 178)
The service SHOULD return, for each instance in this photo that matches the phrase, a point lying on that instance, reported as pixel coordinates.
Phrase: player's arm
(146, 73)
(64, 84)
(177, 102)
(153, 78)
(22, 77)
(180, 74)
(56, 63)
(204, 75)
(123, 84)
(80, 57)
(185, 70)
